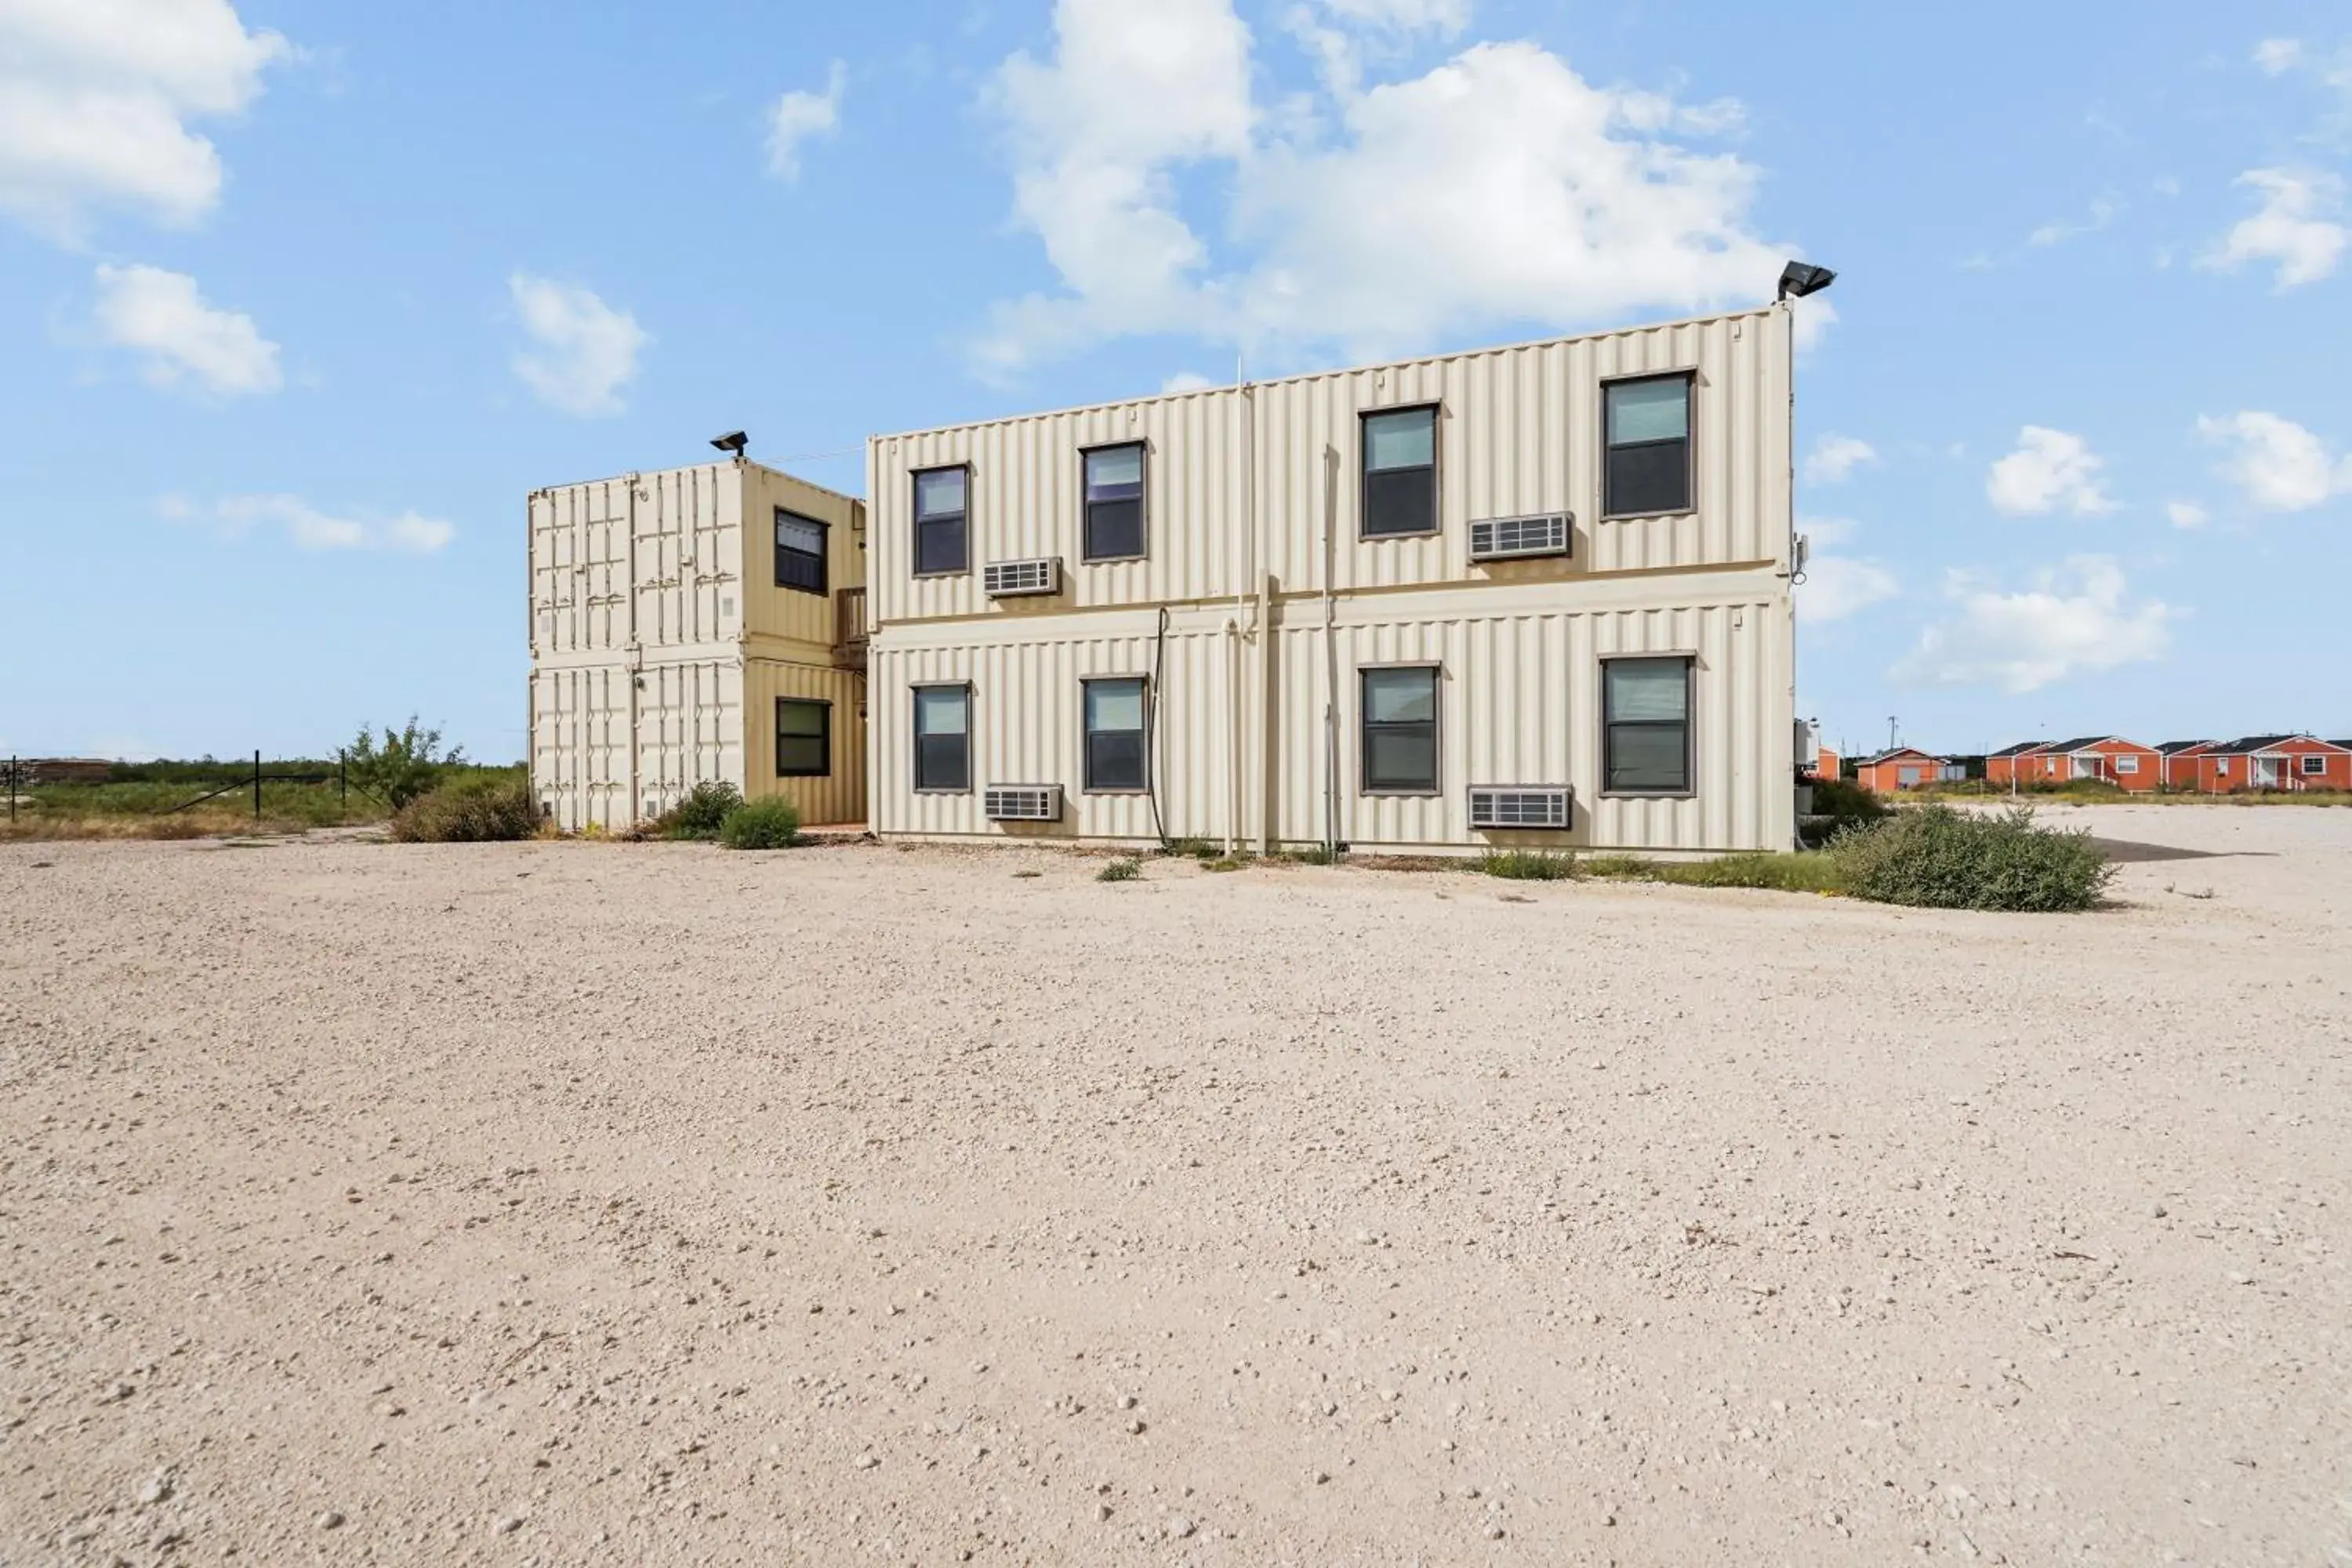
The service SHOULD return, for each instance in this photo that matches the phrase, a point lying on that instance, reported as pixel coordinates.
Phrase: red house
(2110, 759)
(2006, 767)
(2275, 761)
(2177, 763)
(1903, 768)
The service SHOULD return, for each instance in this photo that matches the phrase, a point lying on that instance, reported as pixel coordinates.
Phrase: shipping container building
(1536, 594)
(705, 624)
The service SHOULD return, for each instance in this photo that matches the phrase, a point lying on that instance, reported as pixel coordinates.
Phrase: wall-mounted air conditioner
(1518, 538)
(1019, 579)
(1024, 803)
(1542, 807)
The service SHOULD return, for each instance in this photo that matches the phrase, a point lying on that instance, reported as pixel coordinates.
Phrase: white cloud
(2276, 56)
(95, 100)
(2279, 465)
(1186, 381)
(1836, 586)
(583, 352)
(2050, 469)
(1835, 456)
(2295, 227)
(1828, 529)
(2076, 619)
(308, 528)
(798, 117)
(2184, 514)
(185, 337)
(2104, 211)
(1500, 189)
(1342, 35)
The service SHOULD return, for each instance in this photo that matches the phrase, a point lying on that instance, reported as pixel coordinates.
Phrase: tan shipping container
(661, 639)
(1252, 524)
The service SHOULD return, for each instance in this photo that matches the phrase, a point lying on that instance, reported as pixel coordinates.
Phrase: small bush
(473, 812)
(1225, 863)
(1937, 857)
(1808, 873)
(1842, 805)
(1527, 865)
(1191, 848)
(1121, 870)
(405, 766)
(761, 824)
(701, 814)
(1313, 855)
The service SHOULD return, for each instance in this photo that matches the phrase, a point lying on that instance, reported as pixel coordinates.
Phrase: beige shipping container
(1259, 602)
(664, 635)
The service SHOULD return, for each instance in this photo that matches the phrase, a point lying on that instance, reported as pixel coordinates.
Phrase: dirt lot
(562, 1204)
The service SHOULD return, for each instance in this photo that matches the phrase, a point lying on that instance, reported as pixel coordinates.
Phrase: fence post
(11, 789)
(257, 787)
(344, 778)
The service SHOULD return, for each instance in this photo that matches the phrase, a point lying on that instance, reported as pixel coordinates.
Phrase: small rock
(1135, 1428)
(867, 1461)
(510, 1524)
(1493, 1532)
(331, 1520)
(1102, 1512)
(158, 1487)
(1322, 1477)
(116, 1392)
(2160, 1211)
(2238, 1279)
(1127, 1401)
(1180, 1528)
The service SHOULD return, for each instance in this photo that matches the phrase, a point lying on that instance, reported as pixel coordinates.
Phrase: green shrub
(1803, 873)
(406, 764)
(1121, 870)
(1528, 864)
(769, 824)
(1225, 863)
(1844, 804)
(1936, 858)
(1192, 848)
(472, 811)
(701, 814)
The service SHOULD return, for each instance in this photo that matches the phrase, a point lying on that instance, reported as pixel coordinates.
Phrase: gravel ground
(571, 1202)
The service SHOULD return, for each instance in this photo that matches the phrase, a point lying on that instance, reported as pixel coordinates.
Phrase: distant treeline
(227, 770)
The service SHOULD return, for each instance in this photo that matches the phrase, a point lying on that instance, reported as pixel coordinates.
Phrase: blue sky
(298, 300)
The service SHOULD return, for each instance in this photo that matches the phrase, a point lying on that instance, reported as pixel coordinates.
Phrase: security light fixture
(734, 441)
(1799, 279)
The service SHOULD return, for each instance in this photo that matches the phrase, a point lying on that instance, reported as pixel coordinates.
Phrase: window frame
(1364, 727)
(1436, 412)
(914, 477)
(1087, 784)
(915, 734)
(1087, 508)
(1689, 791)
(2126, 765)
(823, 588)
(1689, 378)
(2304, 766)
(825, 706)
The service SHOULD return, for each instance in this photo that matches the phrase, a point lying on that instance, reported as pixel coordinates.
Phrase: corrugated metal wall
(1520, 434)
(641, 610)
(1519, 704)
(824, 801)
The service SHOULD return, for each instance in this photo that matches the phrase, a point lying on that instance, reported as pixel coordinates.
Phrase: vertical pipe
(256, 786)
(344, 778)
(1331, 658)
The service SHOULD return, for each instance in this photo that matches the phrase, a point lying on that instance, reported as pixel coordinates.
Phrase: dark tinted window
(941, 512)
(1399, 731)
(1648, 440)
(1114, 519)
(1400, 472)
(1117, 750)
(943, 737)
(804, 738)
(799, 553)
(1646, 711)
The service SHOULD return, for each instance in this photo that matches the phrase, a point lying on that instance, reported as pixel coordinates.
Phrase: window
(1647, 470)
(799, 553)
(804, 738)
(943, 738)
(940, 511)
(1117, 748)
(1399, 473)
(2314, 763)
(1114, 503)
(2221, 765)
(1646, 714)
(1909, 777)
(2126, 765)
(1399, 729)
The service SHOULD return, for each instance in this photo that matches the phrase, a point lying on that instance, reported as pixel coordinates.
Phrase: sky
(299, 301)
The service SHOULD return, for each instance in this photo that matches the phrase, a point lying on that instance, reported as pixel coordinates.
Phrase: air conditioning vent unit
(1517, 538)
(1019, 579)
(1024, 803)
(1543, 807)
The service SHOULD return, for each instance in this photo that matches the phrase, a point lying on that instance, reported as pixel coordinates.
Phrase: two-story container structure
(1537, 594)
(708, 623)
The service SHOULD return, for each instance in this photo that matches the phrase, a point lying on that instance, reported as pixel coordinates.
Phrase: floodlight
(1799, 279)
(733, 441)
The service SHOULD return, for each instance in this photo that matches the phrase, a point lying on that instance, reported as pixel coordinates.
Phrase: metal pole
(343, 778)
(257, 786)
(11, 789)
